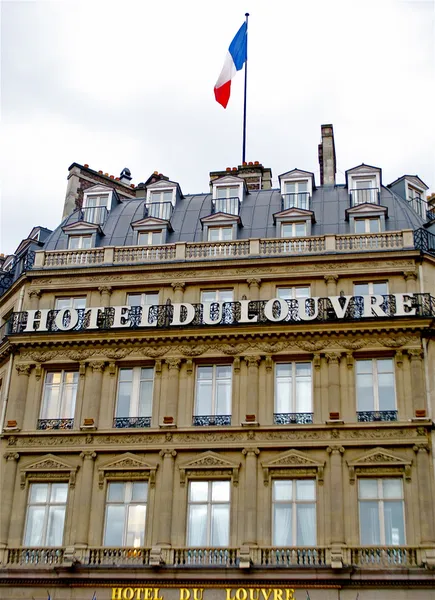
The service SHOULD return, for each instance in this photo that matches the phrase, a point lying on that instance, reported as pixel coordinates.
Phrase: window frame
(375, 383)
(370, 285)
(47, 506)
(294, 225)
(209, 504)
(62, 389)
(380, 500)
(149, 234)
(135, 392)
(220, 228)
(294, 502)
(80, 239)
(127, 504)
(367, 221)
(143, 299)
(293, 400)
(72, 302)
(214, 384)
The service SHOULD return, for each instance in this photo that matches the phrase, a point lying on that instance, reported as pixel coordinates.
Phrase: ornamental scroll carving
(380, 462)
(49, 467)
(291, 461)
(209, 464)
(127, 466)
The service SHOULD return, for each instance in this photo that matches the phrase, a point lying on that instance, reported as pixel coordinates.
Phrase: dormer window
(97, 202)
(296, 195)
(161, 196)
(161, 199)
(149, 238)
(369, 225)
(295, 229)
(220, 234)
(364, 184)
(227, 195)
(79, 242)
(415, 197)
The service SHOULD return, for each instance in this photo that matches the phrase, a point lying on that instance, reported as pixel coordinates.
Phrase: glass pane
(59, 492)
(303, 395)
(86, 242)
(303, 370)
(115, 492)
(368, 488)
(227, 233)
(284, 370)
(156, 237)
(73, 243)
(374, 225)
(284, 293)
(220, 525)
(204, 398)
(392, 488)
(204, 372)
(136, 526)
(213, 234)
(134, 300)
(361, 289)
(34, 526)
(198, 491)
(62, 303)
(126, 374)
(380, 287)
(115, 521)
(51, 402)
(124, 395)
(387, 399)
(369, 523)
(394, 525)
(385, 365)
(306, 525)
(282, 525)
(197, 526)
(302, 292)
(283, 402)
(287, 230)
(300, 229)
(290, 187)
(223, 372)
(55, 525)
(365, 395)
(220, 491)
(305, 489)
(71, 377)
(223, 398)
(360, 226)
(209, 296)
(225, 295)
(139, 491)
(167, 196)
(68, 401)
(38, 492)
(282, 489)
(146, 399)
(221, 192)
(364, 366)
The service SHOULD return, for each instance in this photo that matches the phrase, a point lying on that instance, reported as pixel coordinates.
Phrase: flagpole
(244, 99)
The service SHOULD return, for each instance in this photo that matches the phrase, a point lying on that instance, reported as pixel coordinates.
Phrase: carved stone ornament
(415, 354)
(312, 346)
(173, 363)
(254, 282)
(380, 461)
(330, 278)
(316, 361)
(11, 456)
(189, 366)
(269, 363)
(38, 371)
(333, 358)
(271, 348)
(24, 368)
(34, 293)
(410, 275)
(117, 353)
(178, 286)
(193, 350)
(395, 341)
(233, 349)
(399, 358)
(49, 467)
(287, 462)
(236, 364)
(97, 366)
(212, 464)
(105, 289)
(38, 355)
(154, 352)
(126, 466)
(253, 361)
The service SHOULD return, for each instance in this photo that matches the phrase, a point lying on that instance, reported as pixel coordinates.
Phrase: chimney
(327, 156)
(125, 176)
(256, 176)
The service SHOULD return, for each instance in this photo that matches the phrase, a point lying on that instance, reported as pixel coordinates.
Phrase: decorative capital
(35, 293)
(11, 456)
(333, 358)
(421, 448)
(158, 366)
(24, 368)
(97, 366)
(316, 360)
(178, 286)
(349, 360)
(410, 275)
(173, 363)
(189, 366)
(250, 451)
(330, 278)
(415, 354)
(88, 455)
(105, 289)
(399, 358)
(168, 453)
(254, 282)
(335, 450)
(112, 369)
(253, 361)
(269, 363)
(236, 364)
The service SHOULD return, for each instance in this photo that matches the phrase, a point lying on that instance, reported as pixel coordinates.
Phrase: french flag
(236, 57)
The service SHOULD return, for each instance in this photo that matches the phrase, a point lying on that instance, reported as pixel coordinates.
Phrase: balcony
(371, 416)
(293, 418)
(424, 240)
(230, 206)
(159, 210)
(45, 424)
(364, 196)
(299, 200)
(209, 420)
(94, 214)
(15, 268)
(126, 422)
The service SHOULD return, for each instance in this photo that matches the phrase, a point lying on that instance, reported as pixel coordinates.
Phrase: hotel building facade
(226, 395)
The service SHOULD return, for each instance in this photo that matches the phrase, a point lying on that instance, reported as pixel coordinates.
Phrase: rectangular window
(126, 509)
(213, 395)
(231, 191)
(59, 400)
(364, 192)
(79, 242)
(70, 302)
(135, 397)
(296, 195)
(294, 512)
(150, 238)
(208, 514)
(375, 390)
(220, 234)
(296, 229)
(381, 512)
(145, 299)
(217, 296)
(45, 518)
(161, 196)
(370, 288)
(95, 208)
(292, 294)
(368, 225)
(293, 393)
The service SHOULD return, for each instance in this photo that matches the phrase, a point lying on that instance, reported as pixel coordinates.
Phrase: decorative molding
(334, 450)
(127, 466)
(316, 360)
(396, 341)
(105, 289)
(415, 354)
(158, 366)
(349, 360)
(254, 282)
(410, 275)
(48, 467)
(154, 352)
(421, 447)
(312, 346)
(233, 349)
(330, 278)
(212, 465)
(189, 366)
(173, 363)
(9, 456)
(24, 368)
(34, 293)
(97, 366)
(399, 358)
(193, 350)
(269, 348)
(333, 358)
(236, 364)
(253, 361)
(38, 371)
(380, 461)
(250, 451)
(178, 286)
(269, 363)
(288, 462)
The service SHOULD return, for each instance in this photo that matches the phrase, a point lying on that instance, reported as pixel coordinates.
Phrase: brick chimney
(255, 175)
(327, 156)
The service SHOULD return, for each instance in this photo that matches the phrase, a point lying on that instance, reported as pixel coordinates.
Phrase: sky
(130, 84)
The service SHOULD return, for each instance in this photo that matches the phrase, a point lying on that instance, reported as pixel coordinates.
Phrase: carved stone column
(417, 379)
(8, 475)
(250, 506)
(105, 293)
(411, 281)
(426, 504)
(333, 359)
(166, 498)
(331, 284)
(18, 395)
(178, 287)
(34, 296)
(254, 288)
(173, 386)
(83, 509)
(337, 505)
(253, 362)
(92, 402)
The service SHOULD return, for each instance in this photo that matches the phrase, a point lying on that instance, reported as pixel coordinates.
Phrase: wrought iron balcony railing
(424, 240)
(18, 266)
(206, 420)
(44, 424)
(94, 214)
(370, 416)
(363, 196)
(299, 200)
(293, 418)
(230, 206)
(126, 422)
(159, 210)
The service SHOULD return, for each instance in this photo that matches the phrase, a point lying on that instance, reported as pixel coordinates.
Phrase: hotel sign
(226, 593)
(244, 312)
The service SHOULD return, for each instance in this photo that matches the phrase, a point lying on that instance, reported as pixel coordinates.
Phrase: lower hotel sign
(198, 593)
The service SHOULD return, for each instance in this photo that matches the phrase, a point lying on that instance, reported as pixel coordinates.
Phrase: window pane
(394, 526)
(368, 488)
(55, 525)
(360, 226)
(282, 489)
(223, 398)
(361, 289)
(136, 526)
(225, 295)
(146, 399)
(282, 525)
(283, 396)
(38, 492)
(134, 300)
(302, 292)
(385, 365)
(387, 399)
(287, 230)
(306, 524)
(139, 491)
(34, 526)
(380, 287)
(305, 489)
(205, 373)
(116, 492)
(115, 521)
(220, 491)
(124, 395)
(223, 372)
(365, 395)
(369, 523)
(59, 492)
(197, 526)
(303, 395)
(213, 234)
(209, 296)
(392, 488)
(204, 398)
(220, 525)
(198, 491)
(374, 225)
(300, 229)
(227, 233)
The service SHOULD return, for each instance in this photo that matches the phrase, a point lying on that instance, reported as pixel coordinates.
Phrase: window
(370, 288)
(293, 394)
(364, 192)
(135, 397)
(219, 314)
(95, 208)
(294, 512)
(143, 299)
(220, 234)
(79, 242)
(228, 191)
(297, 229)
(45, 514)
(381, 512)
(208, 513)
(70, 302)
(59, 400)
(367, 225)
(126, 508)
(213, 395)
(296, 195)
(376, 396)
(161, 196)
(217, 296)
(415, 198)
(150, 238)
(293, 295)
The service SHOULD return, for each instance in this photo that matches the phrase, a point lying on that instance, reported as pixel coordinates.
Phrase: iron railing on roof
(159, 210)
(424, 240)
(364, 196)
(422, 208)
(18, 266)
(230, 206)
(299, 200)
(94, 214)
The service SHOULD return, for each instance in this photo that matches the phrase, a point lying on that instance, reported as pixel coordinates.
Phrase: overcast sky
(130, 84)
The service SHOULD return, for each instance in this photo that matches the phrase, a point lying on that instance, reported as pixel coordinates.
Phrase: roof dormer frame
(164, 185)
(101, 190)
(364, 172)
(151, 224)
(294, 214)
(230, 181)
(297, 175)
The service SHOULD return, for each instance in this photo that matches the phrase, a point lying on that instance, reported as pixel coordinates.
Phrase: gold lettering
(127, 594)
(156, 594)
(253, 595)
(228, 591)
(241, 594)
(277, 594)
(147, 594)
(116, 593)
(289, 594)
(198, 593)
(184, 594)
(266, 593)
(138, 593)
